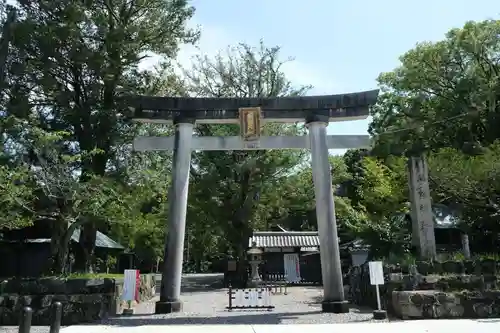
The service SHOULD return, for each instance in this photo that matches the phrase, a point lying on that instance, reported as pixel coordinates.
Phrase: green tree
(16, 197)
(233, 190)
(70, 62)
(141, 227)
(443, 101)
(444, 94)
(353, 159)
(296, 202)
(59, 195)
(384, 189)
(379, 197)
(470, 185)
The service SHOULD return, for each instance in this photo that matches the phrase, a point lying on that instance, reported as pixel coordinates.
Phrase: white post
(239, 297)
(379, 307)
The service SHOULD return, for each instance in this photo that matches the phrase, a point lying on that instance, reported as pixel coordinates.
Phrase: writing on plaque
(250, 123)
(251, 144)
(376, 273)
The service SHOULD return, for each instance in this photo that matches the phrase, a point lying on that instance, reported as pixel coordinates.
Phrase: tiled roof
(355, 245)
(444, 217)
(101, 240)
(269, 239)
(309, 249)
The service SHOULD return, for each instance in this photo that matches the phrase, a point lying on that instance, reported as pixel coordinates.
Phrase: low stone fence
(471, 267)
(84, 300)
(473, 285)
(432, 304)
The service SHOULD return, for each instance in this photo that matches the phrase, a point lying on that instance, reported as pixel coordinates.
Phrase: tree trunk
(62, 232)
(465, 245)
(85, 263)
(94, 166)
(242, 264)
(240, 246)
(58, 248)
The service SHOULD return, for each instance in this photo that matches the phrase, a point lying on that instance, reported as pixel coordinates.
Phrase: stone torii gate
(315, 111)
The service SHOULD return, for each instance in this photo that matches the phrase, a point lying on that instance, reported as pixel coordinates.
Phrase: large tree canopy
(65, 152)
(236, 191)
(442, 101)
(67, 64)
(444, 94)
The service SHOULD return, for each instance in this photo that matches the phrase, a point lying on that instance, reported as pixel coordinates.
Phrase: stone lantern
(254, 258)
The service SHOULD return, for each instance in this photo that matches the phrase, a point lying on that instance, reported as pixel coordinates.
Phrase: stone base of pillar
(379, 314)
(128, 312)
(254, 283)
(335, 306)
(163, 307)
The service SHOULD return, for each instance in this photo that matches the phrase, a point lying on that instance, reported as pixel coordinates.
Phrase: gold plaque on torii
(250, 123)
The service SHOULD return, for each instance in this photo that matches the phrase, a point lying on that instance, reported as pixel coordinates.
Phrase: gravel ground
(300, 306)
(204, 305)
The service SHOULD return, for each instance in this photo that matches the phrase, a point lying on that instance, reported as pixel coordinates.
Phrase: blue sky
(339, 46)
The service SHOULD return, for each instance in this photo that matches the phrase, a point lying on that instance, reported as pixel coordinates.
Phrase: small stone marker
(376, 279)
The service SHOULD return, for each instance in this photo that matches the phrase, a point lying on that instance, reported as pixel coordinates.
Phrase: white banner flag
(131, 281)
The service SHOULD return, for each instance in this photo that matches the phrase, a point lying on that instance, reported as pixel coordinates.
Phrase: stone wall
(84, 300)
(472, 267)
(435, 283)
(432, 304)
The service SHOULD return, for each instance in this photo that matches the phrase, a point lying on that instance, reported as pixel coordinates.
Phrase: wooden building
(25, 252)
(282, 247)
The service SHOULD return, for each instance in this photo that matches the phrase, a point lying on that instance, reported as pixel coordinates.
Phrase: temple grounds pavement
(298, 311)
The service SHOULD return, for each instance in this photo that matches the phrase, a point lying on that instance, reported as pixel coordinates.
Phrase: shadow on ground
(202, 283)
(315, 301)
(305, 311)
(239, 318)
(492, 321)
(197, 283)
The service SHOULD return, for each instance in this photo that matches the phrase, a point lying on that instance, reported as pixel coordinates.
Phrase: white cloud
(214, 39)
